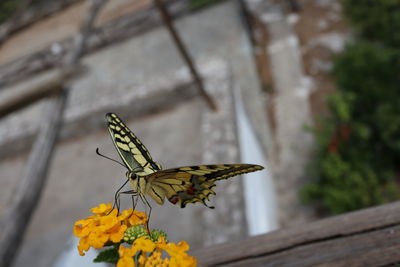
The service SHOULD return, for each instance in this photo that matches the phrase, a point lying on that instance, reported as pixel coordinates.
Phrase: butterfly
(179, 186)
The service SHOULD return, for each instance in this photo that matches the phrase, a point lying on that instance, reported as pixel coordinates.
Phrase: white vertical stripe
(259, 191)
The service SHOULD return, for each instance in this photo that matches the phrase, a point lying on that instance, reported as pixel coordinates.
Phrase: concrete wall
(144, 80)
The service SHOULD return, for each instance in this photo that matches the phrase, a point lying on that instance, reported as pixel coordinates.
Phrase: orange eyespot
(191, 191)
(174, 199)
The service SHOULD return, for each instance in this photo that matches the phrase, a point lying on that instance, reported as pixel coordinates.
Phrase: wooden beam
(368, 237)
(27, 16)
(113, 32)
(27, 194)
(184, 53)
(15, 220)
(39, 91)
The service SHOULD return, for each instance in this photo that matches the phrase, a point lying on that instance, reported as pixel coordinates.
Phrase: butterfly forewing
(134, 154)
(193, 183)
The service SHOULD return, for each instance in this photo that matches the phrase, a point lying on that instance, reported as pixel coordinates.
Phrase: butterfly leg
(135, 201)
(143, 198)
(133, 195)
(117, 201)
(117, 197)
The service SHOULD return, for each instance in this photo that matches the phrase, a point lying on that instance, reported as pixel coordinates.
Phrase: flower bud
(134, 232)
(156, 234)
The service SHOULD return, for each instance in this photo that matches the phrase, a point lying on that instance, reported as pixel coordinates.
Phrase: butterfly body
(179, 186)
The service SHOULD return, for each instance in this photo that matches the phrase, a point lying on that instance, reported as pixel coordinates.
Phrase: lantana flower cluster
(142, 247)
(150, 253)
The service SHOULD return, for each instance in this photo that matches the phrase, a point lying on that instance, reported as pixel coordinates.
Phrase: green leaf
(375, 20)
(109, 255)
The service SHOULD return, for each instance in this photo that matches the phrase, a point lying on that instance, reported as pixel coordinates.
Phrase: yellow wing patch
(133, 153)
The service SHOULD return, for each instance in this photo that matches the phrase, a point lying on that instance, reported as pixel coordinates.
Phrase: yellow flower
(81, 228)
(142, 260)
(126, 257)
(118, 235)
(102, 209)
(177, 249)
(97, 238)
(143, 244)
(109, 222)
(156, 260)
(125, 214)
(177, 252)
(107, 225)
(83, 245)
(138, 218)
(126, 262)
(125, 252)
(151, 253)
(104, 226)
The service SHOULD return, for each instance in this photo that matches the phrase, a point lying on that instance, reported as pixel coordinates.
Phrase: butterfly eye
(131, 175)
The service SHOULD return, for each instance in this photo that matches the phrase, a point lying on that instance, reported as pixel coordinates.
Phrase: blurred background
(307, 88)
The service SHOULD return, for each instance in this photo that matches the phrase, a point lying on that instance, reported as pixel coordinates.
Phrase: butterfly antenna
(98, 153)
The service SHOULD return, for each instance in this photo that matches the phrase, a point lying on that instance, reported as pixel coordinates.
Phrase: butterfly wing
(133, 153)
(193, 183)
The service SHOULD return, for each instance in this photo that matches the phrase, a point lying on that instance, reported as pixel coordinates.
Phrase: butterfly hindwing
(131, 150)
(193, 183)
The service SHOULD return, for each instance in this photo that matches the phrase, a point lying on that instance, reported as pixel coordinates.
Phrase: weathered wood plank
(370, 235)
(27, 194)
(30, 15)
(113, 32)
(184, 53)
(375, 248)
(39, 91)
(15, 220)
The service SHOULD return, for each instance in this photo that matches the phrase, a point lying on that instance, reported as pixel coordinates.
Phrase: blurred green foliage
(357, 159)
(7, 8)
(375, 19)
